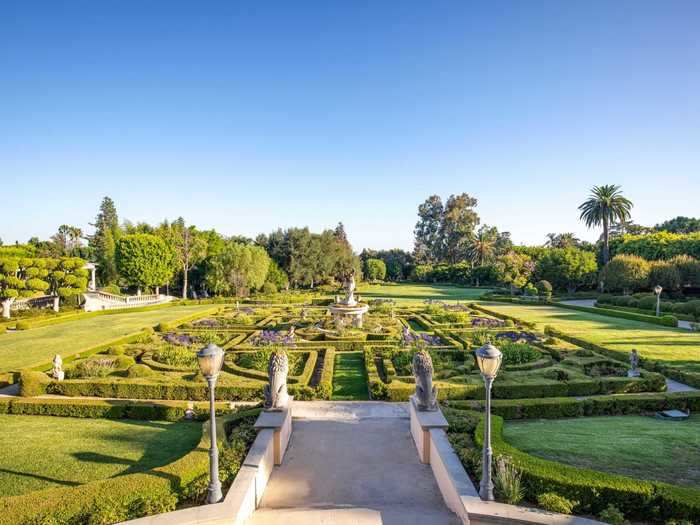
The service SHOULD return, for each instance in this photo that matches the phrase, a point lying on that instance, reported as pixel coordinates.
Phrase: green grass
(636, 446)
(417, 293)
(40, 452)
(38, 345)
(349, 376)
(674, 346)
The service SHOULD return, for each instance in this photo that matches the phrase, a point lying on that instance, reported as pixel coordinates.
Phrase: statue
(426, 392)
(350, 291)
(304, 314)
(634, 364)
(189, 412)
(291, 333)
(276, 397)
(58, 372)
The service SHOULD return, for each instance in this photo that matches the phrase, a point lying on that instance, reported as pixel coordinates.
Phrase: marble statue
(189, 412)
(634, 364)
(304, 314)
(426, 392)
(291, 334)
(276, 396)
(58, 372)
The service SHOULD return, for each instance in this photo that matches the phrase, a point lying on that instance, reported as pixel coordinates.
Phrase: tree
(144, 260)
(514, 269)
(20, 277)
(688, 269)
(190, 247)
(567, 268)
(237, 269)
(626, 273)
(604, 206)
(375, 269)
(428, 245)
(67, 278)
(680, 225)
(666, 274)
(482, 247)
(277, 277)
(104, 241)
(67, 240)
(457, 228)
(562, 240)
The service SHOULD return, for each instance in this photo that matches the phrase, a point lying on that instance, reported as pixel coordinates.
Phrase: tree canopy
(144, 260)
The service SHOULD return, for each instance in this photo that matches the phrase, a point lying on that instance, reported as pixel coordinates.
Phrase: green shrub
(507, 481)
(123, 361)
(518, 353)
(32, 383)
(23, 325)
(612, 515)
(93, 367)
(178, 356)
(164, 327)
(669, 320)
(139, 371)
(555, 503)
(116, 350)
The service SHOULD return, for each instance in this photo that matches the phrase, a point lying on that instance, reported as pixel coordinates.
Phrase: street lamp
(657, 291)
(210, 359)
(488, 357)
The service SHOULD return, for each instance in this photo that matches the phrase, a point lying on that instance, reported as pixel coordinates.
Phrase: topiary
(164, 327)
(139, 371)
(116, 350)
(23, 325)
(124, 361)
(612, 515)
(556, 503)
(33, 383)
(669, 320)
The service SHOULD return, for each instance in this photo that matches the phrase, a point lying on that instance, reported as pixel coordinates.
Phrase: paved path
(675, 386)
(352, 463)
(590, 303)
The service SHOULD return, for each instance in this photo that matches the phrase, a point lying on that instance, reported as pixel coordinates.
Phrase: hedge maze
(162, 364)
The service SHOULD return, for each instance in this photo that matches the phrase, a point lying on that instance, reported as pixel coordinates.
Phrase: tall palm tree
(482, 246)
(605, 206)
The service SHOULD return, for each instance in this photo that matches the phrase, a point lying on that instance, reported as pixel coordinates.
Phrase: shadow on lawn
(41, 478)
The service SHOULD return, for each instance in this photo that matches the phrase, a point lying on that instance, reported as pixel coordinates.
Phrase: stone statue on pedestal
(634, 364)
(58, 372)
(276, 396)
(426, 392)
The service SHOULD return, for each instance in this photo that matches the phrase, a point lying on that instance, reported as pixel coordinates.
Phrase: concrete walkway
(589, 303)
(352, 463)
(674, 386)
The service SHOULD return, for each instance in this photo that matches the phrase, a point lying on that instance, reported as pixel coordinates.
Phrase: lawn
(417, 293)
(636, 446)
(675, 346)
(38, 345)
(40, 452)
(349, 376)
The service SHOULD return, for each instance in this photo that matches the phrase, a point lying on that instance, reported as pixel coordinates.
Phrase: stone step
(340, 515)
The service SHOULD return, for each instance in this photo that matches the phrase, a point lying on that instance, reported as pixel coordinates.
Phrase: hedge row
(665, 320)
(594, 490)
(561, 407)
(521, 322)
(124, 497)
(324, 389)
(142, 389)
(302, 379)
(101, 409)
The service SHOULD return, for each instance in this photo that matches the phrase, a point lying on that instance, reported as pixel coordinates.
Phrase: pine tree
(104, 241)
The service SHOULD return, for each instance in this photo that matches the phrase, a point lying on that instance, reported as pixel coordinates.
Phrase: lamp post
(210, 359)
(657, 291)
(488, 357)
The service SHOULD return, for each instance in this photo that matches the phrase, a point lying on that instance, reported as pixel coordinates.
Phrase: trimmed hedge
(595, 490)
(665, 320)
(561, 407)
(142, 389)
(122, 497)
(324, 389)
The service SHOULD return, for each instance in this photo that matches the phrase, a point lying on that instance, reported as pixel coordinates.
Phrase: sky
(249, 116)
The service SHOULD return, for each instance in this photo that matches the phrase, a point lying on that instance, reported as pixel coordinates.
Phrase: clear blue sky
(245, 116)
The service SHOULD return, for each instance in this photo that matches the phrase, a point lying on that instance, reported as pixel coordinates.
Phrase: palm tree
(562, 240)
(605, 206)
(482, 246)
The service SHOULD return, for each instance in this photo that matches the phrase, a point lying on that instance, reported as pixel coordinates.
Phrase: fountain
(349, 308)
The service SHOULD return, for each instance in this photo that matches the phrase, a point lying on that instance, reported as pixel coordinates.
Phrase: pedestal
(280, 422)
(421, 424)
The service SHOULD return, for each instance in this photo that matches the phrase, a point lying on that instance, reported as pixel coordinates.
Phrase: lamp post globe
(210, 358)
(657, 290)
(489, 358)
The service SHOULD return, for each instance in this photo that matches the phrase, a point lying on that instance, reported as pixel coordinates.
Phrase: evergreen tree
(104, 241)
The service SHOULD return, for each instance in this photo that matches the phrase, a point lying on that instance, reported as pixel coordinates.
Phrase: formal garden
(550, 370)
